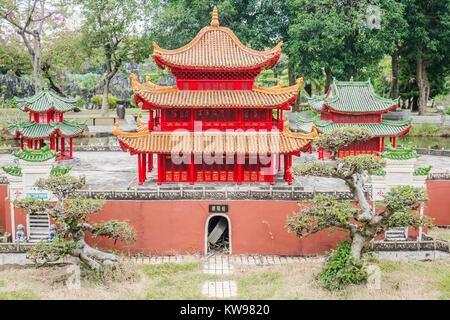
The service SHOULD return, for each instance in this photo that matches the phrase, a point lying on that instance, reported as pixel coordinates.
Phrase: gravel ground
(118, 170)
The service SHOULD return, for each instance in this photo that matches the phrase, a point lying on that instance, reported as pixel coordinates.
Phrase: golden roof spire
(215, 18)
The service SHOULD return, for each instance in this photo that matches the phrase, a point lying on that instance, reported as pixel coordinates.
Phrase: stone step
(39, 225)
(36, 232)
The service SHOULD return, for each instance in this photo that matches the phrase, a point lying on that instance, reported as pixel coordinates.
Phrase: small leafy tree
(398, 208)
(70, 214)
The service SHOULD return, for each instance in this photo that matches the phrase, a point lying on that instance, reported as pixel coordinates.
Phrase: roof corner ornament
(215, 18)
(116, 129)
(299, 82)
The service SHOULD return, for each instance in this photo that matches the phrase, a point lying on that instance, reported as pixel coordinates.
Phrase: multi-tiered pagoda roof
(46, 121)
(215, 76)
(355, 103)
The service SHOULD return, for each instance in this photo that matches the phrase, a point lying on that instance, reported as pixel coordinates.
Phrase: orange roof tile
(218, 142)
(216, 47)
(257, 97)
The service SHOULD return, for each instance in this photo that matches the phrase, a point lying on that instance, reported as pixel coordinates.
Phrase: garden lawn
(399, 280)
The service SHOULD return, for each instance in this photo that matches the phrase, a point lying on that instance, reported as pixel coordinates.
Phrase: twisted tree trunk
(94, 258)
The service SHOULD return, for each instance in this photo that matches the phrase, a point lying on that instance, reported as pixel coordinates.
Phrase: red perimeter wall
(178, 226)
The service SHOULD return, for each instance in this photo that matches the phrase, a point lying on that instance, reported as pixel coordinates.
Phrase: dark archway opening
(218, 239)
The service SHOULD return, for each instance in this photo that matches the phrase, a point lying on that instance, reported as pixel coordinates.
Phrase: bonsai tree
(363, 222)
(70, 214)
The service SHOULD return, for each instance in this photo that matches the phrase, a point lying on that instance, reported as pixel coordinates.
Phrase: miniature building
(46, 121)
(215, 125)
(30, 166)
(355, 103)
(399, 171)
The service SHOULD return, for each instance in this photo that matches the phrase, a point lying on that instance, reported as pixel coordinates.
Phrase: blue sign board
(37, 195)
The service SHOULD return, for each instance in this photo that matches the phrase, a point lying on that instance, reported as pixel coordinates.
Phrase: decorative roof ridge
(117, 132)
(54, 124)
(396, 123)
(151, 87)
(137, 86)
(278, 89)
(158, 50)
(308, 136)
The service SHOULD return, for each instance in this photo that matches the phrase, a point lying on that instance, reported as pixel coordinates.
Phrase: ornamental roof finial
(215, 18)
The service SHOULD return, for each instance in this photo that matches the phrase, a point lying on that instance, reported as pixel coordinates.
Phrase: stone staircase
(397, 234)
(39, 228)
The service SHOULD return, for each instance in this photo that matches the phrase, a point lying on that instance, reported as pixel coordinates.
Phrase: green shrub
(81, 103)
(98, 99)
(132, 102)
(11, 103)
(341, 269)
(447, 111)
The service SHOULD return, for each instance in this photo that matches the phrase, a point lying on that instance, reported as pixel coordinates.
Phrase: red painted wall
(179, 226)
(3, 205)
(438, 204)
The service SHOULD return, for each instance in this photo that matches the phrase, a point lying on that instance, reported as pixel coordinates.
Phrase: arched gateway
(218, 234)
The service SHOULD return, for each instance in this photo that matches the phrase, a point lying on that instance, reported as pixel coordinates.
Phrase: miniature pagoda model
(215, 124)
(355, 103)
(46, 110)
(29, 166)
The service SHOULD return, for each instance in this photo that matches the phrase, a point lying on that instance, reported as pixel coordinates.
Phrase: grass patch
(440, 233)
(428, 130)
(166, 269)
(259, 285)
(25, 294)
(389, 267)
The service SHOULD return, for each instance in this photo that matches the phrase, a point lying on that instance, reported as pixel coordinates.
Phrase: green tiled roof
(40, 155)
(13, 170)
(405, 153)
(383, 129)
(46, 100)
(59, 171)
(352, 97)
(423, 171)
(32, 129)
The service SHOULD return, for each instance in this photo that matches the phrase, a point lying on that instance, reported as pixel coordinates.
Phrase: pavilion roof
(215, 141)
(384, 128)
(32, 155)
(45, 101)
(159, 96)
(352, 97)
(216, 47)
(34, 130)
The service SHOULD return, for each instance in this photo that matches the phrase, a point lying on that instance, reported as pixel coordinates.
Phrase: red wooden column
(394, 140)
(71, 147)
(63, 147)
(21, 143)
(285, 167)
(290, 172)
(191, 170)
(160, 169)
(57, 144)
(150, 162)
(140, 181)
(272, 167)
(29, 143)
(240, 159)
(144, 166)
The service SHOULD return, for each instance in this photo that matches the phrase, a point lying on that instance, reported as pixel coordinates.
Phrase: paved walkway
(222, 266)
